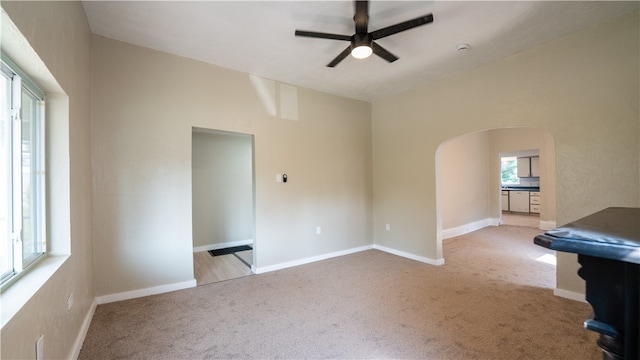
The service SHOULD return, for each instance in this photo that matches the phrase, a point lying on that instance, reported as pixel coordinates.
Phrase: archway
(468, 193)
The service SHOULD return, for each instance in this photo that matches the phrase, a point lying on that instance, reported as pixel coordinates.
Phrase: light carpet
(491, 300)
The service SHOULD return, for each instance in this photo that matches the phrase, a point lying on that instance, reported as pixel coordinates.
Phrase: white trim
(17, 292)
(547, 225)
(571, 295)
(105, 299)
(407, 255)
(470, 227)
(223, 245)
(288, 264)
(84, 329)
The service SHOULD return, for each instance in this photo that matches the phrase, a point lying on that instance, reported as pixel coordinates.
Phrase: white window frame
(17, 174)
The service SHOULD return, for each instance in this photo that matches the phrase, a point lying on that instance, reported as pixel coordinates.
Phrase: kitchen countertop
(522, 188)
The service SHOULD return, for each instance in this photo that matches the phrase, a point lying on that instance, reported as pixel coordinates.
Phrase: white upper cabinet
(528, 167)
(524, 167)
(535, 167)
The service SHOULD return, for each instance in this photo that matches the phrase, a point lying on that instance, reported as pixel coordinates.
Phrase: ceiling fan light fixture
(361, 52)
(362, 43)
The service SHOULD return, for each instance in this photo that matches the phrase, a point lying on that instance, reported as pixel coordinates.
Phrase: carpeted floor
(491, 300)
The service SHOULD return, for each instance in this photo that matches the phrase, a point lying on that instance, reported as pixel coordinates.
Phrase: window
(22, 184)
(509, 170)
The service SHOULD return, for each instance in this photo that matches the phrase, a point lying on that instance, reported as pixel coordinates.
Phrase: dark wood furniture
(608, 248)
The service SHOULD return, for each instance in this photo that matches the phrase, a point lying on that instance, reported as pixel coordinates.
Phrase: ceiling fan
(362, 43)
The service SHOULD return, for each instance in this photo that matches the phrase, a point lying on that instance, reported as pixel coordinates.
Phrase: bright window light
(547, 259)
(22, 182)
(509, 170)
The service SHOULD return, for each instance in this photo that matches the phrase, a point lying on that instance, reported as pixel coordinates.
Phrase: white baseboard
(223, 245)
(288, 264)
(547, 225)
(77, 345)
(145, 292)
(470, 227)
(571, 295)
(407, 255)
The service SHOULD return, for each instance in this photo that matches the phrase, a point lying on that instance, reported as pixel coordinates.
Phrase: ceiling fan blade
(383, 53)
(361, 17)
(340, 57)
(406, 25)
(320, 35)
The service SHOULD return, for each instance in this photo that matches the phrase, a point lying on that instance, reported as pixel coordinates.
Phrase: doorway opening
(223, 205)
(520, 188)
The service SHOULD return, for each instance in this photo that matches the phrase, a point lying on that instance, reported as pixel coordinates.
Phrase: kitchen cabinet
(534, 202)
(524, 167)
(505, 200)
(519, 201)
(529, 167)
(535, 166)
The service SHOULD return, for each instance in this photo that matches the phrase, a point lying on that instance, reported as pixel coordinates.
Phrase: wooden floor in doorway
(209, 269)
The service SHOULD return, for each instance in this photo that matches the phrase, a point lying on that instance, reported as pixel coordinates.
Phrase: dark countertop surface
(613, 233)
(522, 188)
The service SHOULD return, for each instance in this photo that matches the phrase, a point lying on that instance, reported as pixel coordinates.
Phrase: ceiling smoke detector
(462, 47)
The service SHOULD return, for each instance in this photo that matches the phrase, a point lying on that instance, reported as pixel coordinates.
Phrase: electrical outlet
(388, 227)
(39, 347)
(70, 302)
(318, 230)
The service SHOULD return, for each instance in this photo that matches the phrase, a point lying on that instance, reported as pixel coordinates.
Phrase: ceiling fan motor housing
(362, 39)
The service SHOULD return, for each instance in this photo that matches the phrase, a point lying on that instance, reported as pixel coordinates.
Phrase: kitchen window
(509, 171)
(22, 163)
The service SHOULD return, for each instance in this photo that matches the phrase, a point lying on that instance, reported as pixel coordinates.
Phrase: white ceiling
(257, 37)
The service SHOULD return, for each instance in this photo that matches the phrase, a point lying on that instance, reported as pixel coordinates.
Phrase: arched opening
(468, 180)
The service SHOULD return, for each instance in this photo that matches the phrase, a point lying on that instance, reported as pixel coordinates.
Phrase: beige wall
(144, 105)
(582, 88)
(222, 187)
(464, 179)
(59, 34)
